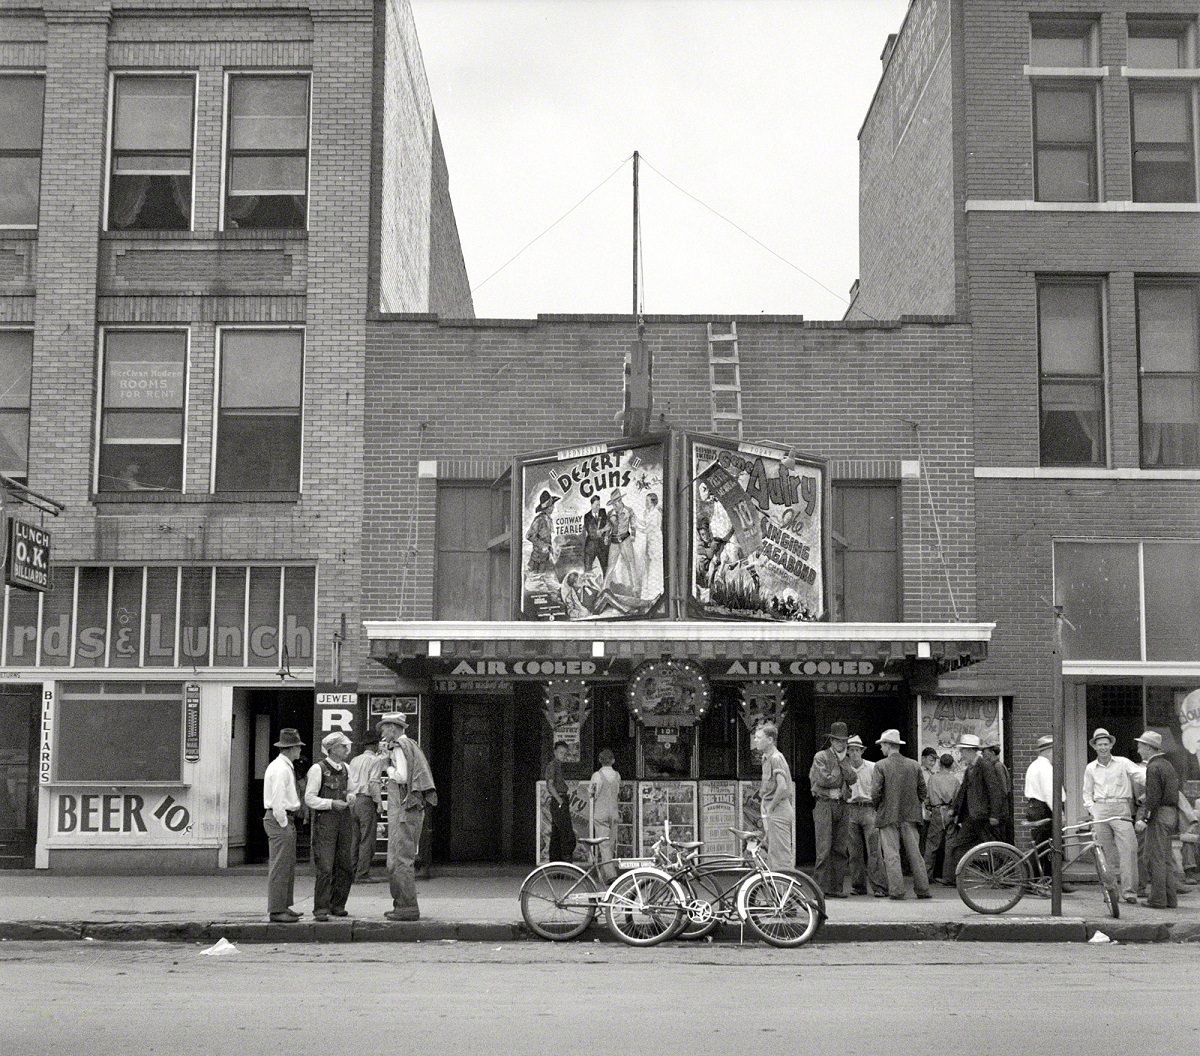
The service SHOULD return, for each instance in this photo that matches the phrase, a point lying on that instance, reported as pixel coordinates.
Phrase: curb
(1033, 930)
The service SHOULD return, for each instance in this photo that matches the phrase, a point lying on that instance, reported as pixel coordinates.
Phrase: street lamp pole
(1058, 762)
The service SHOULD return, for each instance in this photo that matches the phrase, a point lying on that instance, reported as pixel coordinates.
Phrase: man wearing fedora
(1158, 818)
(540, 535)
(1039, 793)
(410, 789)
(978, 805)
(281, 802)
(831, 777)
(1111, 785)
(899, 797)
(329, 800)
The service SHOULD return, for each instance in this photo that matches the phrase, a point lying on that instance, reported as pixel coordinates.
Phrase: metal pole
(1058, 762)
(635, 234)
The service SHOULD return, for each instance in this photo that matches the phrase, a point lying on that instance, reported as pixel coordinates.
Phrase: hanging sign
(28, 562)
(191, 722)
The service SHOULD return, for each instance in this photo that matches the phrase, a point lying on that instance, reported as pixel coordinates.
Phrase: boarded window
(866, 522)
(473, 563)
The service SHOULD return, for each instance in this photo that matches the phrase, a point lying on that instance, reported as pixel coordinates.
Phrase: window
(1169, 354)
(142, 410)
(150, 182)
(1097, 586)
(1159, 44)
(866, 562)
(1164, 150)
(20, 149)
(119, 732)
(1064, 123)
(258, 427)
(473, 563)
(1071, 349)
(16, 364)
(267, 167)
(1063, 43)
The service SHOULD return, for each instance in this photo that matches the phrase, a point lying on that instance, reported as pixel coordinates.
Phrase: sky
(750, 106)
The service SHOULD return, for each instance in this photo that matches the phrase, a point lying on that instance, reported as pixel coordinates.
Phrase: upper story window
(266, 170)
(1071, 351)
(1160, 44)
(16, 363)
(1064, 141)
(1168, 318)
(1063, 43)
(142, 411)
(867, 583)
(474, 563)
(1162, 117)
(259, 414)
(150, 168)
(20, 149)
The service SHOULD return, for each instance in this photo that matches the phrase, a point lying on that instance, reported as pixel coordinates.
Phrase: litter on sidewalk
(219, 948)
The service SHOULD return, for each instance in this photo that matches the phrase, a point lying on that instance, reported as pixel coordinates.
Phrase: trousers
(891, 837)
(936, 839)
(404, 838)
(562, 831)
(606, 828)
(866, 858)
(366, 814)
(281, 864)
(1160, 862)
(829, 821)
(1119, 843)
(333, 858)
(1041, 828)
(781, 848)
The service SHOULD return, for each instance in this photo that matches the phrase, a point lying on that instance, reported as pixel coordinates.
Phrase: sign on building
(27, 564)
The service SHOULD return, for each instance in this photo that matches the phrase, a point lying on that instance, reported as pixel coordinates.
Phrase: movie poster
(592, 538)
(757, 532)
(941, 722)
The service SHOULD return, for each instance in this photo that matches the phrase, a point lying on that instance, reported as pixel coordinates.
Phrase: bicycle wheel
(812, 891)
(778, 910)
(700, 912)
(644, 907)
(553, 901)
(1108, 883)
(992, 877)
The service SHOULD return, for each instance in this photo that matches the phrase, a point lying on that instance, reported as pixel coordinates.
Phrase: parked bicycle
(650, 904)
(994, 876)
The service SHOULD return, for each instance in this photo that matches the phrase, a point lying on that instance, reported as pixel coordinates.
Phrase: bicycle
(559, 900)
(649, 905)
(993, 877)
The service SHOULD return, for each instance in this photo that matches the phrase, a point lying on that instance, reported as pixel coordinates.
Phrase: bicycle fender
(744, 889)
(643, 870)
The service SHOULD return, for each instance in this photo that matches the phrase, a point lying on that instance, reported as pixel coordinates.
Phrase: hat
(1152, 738)
(838, 730)
(854, 742)
(397, 718)
(615, 494)
(546, 501)
(289, 738)
(1045, 742)
(969, 740)
(1102, 732)
(890, 737)
(328, 742)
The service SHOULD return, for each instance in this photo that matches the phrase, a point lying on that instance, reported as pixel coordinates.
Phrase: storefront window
(119, 732)
(1097, 585)
(1172, 601)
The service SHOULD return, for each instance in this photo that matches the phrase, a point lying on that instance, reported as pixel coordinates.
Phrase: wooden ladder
(725, 382)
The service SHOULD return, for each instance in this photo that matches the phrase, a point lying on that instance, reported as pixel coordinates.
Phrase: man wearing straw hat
(410, 790)
(1111, 784)
(899, 793)
(281, 801)
(1158, 819)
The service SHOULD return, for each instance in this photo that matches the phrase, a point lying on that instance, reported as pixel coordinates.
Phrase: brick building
(1030, 168)
(886, 406)
(197, 209)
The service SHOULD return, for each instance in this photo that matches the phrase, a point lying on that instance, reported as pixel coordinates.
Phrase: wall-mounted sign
(191, 722)
(566, 707)
(123, 813)
(591, 528)
(757, 532)
(47, 735)
(27, 563)
(941, 722)
(801, 668)
(668, 693)
(472, 685)
(382, 705)
(524, 668)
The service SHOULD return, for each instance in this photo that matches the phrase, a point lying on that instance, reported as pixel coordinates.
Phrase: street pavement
(535, 998)
(481, 903)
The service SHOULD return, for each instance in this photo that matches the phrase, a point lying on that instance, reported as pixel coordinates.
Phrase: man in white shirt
(366, 769)
(1111, 784)
(332, 828)
(1039, 790)
(866, 856)
(281, 801)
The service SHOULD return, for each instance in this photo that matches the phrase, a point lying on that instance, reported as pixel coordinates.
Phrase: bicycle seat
(743, 834)
(591, 841)
(687, 845)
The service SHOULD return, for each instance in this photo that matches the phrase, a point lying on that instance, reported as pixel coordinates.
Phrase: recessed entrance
(18, 775)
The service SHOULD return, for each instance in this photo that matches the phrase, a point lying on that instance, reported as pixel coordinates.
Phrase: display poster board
(591, 528)
(662, 800)
(720, 811)
(756, 532)
(941, 722)
(581, 818)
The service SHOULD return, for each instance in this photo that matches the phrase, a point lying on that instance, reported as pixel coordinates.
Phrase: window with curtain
(266, 170)
(16, 364)
(1064, 142)
(1168, 318)
(259, 419)
(1071, 354)
(20, 149)
(142, 410)
(150, 181)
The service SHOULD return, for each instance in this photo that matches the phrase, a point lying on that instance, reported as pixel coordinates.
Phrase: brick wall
(449, 289)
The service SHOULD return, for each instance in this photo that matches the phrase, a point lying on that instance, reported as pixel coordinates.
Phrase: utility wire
(752, 238)
(553, 225)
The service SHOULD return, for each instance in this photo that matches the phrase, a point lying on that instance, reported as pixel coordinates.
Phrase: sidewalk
(480, 904)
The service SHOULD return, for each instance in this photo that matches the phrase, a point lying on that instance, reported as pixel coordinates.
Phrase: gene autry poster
(591, 522)
(757, 532)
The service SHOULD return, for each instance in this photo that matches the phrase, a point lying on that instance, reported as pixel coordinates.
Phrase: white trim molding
(1074, 72)
(1081, 473)
(1132, 668)
(1019, 205)
(1160, 75)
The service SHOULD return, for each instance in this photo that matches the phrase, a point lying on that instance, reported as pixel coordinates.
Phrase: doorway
(18, 775)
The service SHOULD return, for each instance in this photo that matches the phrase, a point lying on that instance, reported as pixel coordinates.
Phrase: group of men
(341, 798)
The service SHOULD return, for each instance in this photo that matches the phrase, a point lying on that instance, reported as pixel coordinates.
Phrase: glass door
(18, 776)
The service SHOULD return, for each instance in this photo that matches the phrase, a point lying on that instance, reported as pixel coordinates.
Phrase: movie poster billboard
(757, 532)
(592, 532)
